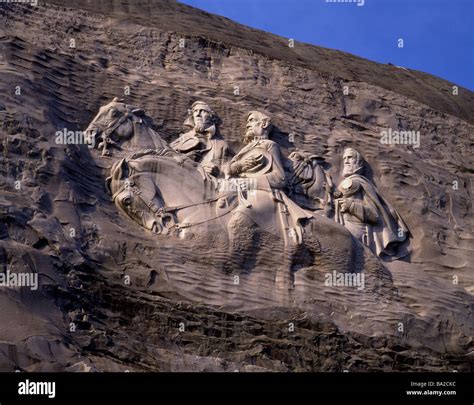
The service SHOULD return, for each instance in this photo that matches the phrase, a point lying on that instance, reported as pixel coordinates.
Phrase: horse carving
(167, 194)
(124, 128)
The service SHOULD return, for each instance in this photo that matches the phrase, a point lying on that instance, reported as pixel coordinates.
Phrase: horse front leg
(243, 243)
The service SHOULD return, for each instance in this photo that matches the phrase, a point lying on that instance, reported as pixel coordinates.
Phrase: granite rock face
(112, 296)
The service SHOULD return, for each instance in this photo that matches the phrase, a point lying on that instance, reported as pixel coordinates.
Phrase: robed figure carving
(365, 212)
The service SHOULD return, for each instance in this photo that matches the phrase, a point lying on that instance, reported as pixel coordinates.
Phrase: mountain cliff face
(112, 296)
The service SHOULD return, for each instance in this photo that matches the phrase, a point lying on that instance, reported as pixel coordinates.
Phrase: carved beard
(350, 169)
(249, 136)
(200, 126)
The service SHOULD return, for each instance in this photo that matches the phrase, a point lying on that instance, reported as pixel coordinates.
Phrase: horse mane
(143, 134)
(117, 172)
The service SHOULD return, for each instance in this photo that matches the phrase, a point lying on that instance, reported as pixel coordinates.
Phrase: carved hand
(250, 162)
(235, 168)
(179, 158)
(194, 155)
(211, 169)
(346, 204)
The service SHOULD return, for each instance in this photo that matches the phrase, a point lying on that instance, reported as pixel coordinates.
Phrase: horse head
(309, 184)
(117, 123)
(136, 195)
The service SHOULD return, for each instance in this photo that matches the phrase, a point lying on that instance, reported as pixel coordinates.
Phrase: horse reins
(159, 211)
(110, 129)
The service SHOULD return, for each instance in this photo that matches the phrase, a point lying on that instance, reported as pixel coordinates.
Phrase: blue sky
(438, 35)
